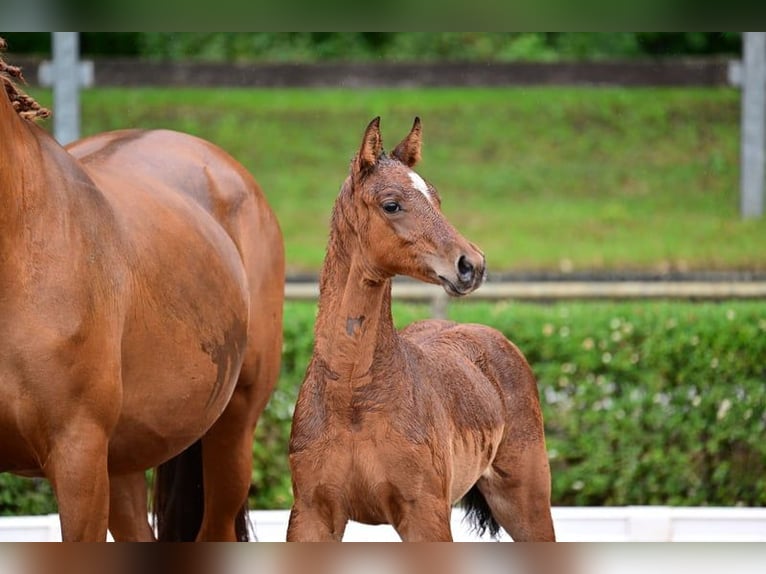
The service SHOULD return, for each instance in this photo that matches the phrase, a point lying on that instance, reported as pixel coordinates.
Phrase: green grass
(541, 179)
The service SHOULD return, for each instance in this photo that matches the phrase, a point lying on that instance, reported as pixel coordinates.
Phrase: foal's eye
(391, 207)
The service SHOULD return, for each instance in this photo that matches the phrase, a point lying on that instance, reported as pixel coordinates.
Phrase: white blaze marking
(420, 185)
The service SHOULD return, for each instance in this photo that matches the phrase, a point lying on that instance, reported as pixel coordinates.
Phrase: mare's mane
(26, 106)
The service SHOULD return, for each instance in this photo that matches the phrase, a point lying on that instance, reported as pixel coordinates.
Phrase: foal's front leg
(313, 525)
(424, 520)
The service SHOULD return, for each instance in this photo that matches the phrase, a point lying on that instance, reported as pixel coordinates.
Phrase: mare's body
(141, 292)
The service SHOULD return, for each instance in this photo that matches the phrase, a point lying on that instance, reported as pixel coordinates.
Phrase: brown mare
(141, 291)
(395, 427)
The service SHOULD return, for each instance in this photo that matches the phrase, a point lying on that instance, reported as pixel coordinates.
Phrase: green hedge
(644, 403)
(648, 403)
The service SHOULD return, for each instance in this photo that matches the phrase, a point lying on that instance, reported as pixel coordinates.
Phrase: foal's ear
(372, 146)
(408, 151)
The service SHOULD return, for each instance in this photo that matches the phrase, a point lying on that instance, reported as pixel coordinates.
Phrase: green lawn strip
(540, 178)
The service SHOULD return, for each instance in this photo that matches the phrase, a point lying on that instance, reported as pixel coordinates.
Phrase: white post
(753, 124)
(66, 86)
(66, 73)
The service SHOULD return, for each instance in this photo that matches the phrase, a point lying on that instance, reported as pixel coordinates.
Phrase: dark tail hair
(478, 514)
(179, 498)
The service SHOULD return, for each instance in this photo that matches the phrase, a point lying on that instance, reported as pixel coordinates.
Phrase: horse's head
(397, 220)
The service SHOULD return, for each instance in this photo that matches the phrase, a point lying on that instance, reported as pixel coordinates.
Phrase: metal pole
(753, 124)
(66, 86)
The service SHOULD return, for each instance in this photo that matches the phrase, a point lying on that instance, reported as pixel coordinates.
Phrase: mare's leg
(227, 460)
(128, 513)
(227, 448)
(519, 491)
(77, 469)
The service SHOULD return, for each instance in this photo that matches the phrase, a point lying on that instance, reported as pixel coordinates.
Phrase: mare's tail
(478, 514)
(179, 498)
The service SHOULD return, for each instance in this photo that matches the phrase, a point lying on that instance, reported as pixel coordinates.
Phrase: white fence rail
(573, 524)
(559, 290)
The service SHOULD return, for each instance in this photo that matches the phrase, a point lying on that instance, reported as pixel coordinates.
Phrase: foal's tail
(179, 498)
(478, 513)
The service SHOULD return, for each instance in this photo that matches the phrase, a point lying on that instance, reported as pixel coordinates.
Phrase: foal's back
(472, 366)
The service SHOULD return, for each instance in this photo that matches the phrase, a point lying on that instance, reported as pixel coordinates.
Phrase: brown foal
(395, 427)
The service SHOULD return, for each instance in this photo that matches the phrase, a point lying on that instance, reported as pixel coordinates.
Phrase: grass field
(541, 179)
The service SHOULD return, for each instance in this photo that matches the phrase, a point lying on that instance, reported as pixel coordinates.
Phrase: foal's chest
(372, 468)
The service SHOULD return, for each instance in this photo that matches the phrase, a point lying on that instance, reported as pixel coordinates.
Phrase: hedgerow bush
(644, 403)
(647, 403)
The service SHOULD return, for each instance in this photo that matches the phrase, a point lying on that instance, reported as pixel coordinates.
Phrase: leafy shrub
(644, 403)
(647, 403)
(24, 496)
(318, 46)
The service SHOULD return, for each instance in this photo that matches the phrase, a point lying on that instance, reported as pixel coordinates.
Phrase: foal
(395, 427)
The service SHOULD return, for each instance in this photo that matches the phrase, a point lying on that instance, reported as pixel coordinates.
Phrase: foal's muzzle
(470, 272)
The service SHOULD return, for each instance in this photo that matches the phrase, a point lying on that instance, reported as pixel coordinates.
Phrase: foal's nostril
(465, 268)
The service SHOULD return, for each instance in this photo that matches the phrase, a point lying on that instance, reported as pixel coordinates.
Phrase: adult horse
(141, 291)
(395, 427)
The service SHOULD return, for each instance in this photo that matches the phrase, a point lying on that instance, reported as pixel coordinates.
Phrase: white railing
(573, 524)
(565, 290)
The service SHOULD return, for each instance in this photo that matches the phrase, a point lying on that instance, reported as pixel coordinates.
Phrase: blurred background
(581, 163)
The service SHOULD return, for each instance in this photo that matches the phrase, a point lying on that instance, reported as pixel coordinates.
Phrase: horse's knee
(426, 521)
(309, 525)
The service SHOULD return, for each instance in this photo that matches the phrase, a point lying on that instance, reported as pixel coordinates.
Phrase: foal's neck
(354, 324)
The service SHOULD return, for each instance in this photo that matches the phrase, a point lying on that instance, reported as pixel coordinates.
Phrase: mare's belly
(185, 332)
(178, 377)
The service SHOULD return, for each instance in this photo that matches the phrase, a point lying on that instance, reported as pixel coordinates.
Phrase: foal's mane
(26, 106)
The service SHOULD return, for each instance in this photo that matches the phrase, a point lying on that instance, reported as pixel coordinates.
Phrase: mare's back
(164, 161)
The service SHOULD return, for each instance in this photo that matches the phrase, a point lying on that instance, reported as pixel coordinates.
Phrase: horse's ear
(372, 146)
(408, 151)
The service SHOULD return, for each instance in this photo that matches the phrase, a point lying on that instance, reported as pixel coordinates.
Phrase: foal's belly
(372, 473)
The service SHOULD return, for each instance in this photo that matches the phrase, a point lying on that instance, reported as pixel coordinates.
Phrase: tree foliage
(319, 46)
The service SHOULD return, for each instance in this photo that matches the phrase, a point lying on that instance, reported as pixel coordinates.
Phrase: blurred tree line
(404, 46)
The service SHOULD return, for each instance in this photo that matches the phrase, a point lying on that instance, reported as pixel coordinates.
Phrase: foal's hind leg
(518, 491)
